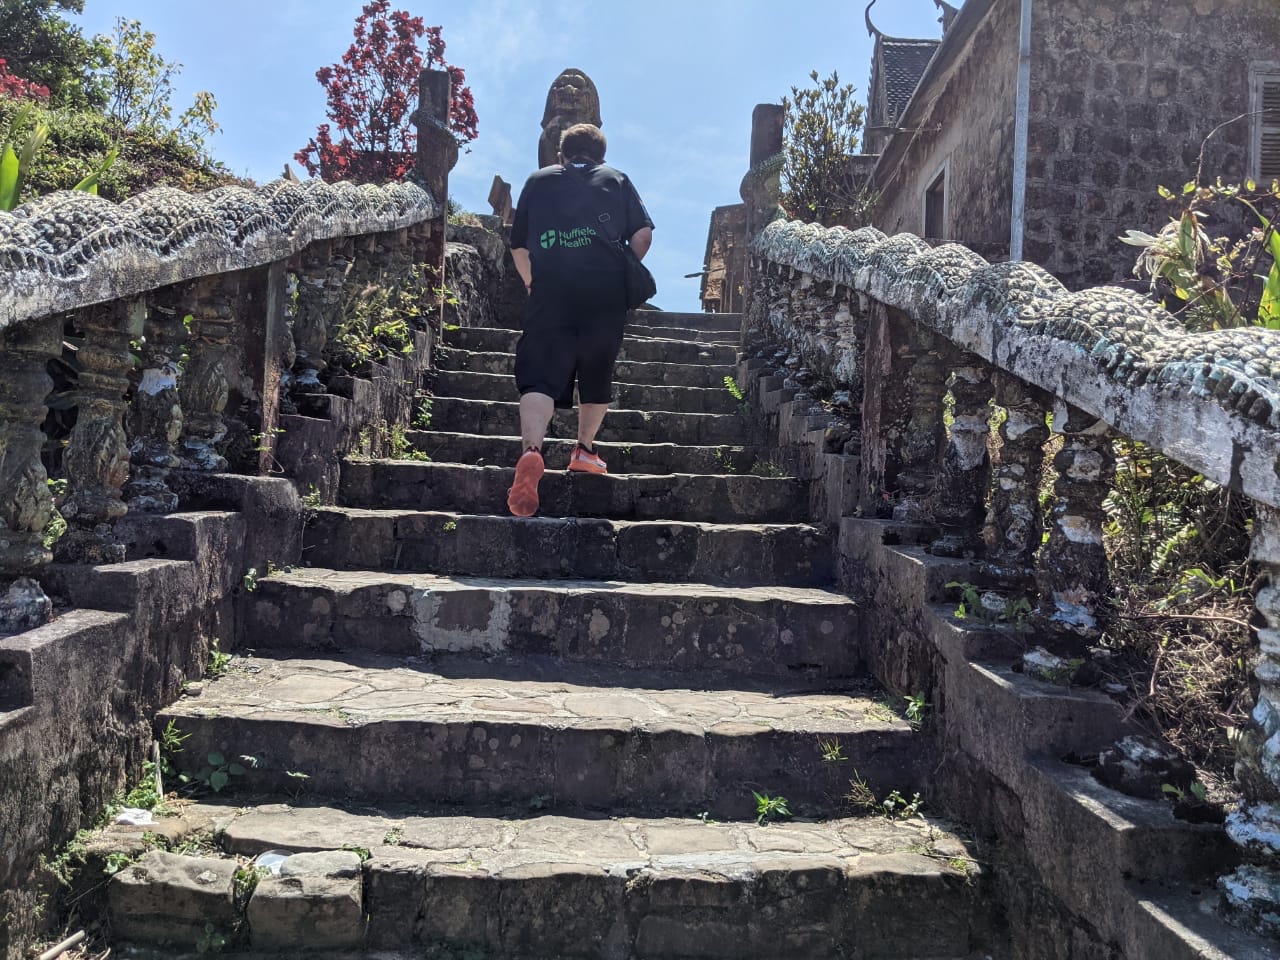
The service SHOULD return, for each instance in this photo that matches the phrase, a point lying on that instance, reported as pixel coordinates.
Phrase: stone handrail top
(1210, 400)
(68, 250)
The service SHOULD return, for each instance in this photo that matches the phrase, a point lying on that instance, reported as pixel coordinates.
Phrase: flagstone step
(625, 371)
(725, 498)
(495, 418)
(645, 349)
(468, 385)
(646, 888)
(569, 735)
(683, 333)
(623, 458)
(757, 631)
(790, 555)
(696, 321)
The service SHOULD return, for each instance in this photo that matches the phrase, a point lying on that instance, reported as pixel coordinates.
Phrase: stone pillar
(96, 462)
(1071, 570)
(1014, 523)
(761, 188)
(902, 429)
(437, 155)
(155, 417)
(960, 501)
(25, 502)
(1251, 895)
(205, 386)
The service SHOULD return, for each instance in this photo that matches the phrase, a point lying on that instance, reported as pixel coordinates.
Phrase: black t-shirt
(566, 215)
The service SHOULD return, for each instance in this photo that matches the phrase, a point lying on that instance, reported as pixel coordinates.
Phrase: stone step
(453, 415)
(789, 555)
(625, 371)
(754, 631)
(459, 730)
(468, 385)
(683, 333)
(695, 321)
(647, 458)
(706, 498)
(644, 349)
(548, 886)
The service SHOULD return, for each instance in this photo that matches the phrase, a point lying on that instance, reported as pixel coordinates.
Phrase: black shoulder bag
(641, 287)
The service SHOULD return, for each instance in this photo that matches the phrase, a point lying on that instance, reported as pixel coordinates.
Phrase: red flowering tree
(13, 86)
(372, 93)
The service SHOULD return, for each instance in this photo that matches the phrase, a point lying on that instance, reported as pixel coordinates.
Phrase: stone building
(725, 264)
(1120, 98)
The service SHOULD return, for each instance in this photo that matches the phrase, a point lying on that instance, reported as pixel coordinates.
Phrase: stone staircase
(480, 736)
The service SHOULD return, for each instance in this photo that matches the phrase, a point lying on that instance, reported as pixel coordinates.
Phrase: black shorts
(572, 335)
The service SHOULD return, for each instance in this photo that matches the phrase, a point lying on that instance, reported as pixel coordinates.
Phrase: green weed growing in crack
(734, 389)
(362, 852)
(250, 580)
(894, 806)
(832, 751)
(724, 460)
(917, 710)
(770, 808)
(393, 837)
(117, 861)
(219, 661)
(211, 940)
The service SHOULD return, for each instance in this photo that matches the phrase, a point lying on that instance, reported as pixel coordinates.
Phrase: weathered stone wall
(1122, 96)
(961, 122)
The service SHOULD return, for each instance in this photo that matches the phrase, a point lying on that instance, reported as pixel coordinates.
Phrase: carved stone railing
(187, 323)
(898, 324)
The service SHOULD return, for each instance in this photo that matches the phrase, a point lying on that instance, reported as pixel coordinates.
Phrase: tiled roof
(902, 63)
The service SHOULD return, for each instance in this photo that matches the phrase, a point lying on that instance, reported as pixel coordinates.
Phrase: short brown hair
(583, 141)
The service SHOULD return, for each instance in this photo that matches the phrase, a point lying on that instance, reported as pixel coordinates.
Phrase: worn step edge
(592, 549)
(386, 729)
(652, 372)
(633, 348)
(480, 385)
(706, 498)
(652, 459)
(625, 887)
(457, 415)
(756, 631)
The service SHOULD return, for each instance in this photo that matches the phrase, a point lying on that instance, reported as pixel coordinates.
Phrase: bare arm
(521, 256)
(641, 241)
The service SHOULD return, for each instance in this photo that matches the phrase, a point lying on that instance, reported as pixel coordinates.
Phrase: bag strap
(584, 210)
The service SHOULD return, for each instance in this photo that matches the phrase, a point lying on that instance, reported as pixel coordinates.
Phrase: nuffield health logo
(577, 237)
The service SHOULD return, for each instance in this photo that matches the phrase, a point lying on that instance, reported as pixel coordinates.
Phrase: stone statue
(571, 99)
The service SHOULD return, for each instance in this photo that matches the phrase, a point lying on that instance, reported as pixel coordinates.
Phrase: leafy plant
(422, 414)
(217, 773)
(116, 861)
(917, 709)
(219, 662)
(371, 94)
(1214, 282)
(896, 807)
(820, 129)
(735, 391)
(250, 580)
(770, 808)
(1198, 791)
(211, 940)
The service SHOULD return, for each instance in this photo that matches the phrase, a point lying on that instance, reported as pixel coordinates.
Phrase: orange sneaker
(522, 498)
(583, 460)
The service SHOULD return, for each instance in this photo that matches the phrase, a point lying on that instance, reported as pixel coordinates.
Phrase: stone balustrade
(188, 322)
(899, 329)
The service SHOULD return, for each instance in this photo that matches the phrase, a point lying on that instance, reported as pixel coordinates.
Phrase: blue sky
(677, 81)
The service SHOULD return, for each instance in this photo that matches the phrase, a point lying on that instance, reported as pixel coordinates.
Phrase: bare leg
(590, 416)
(536, 411)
